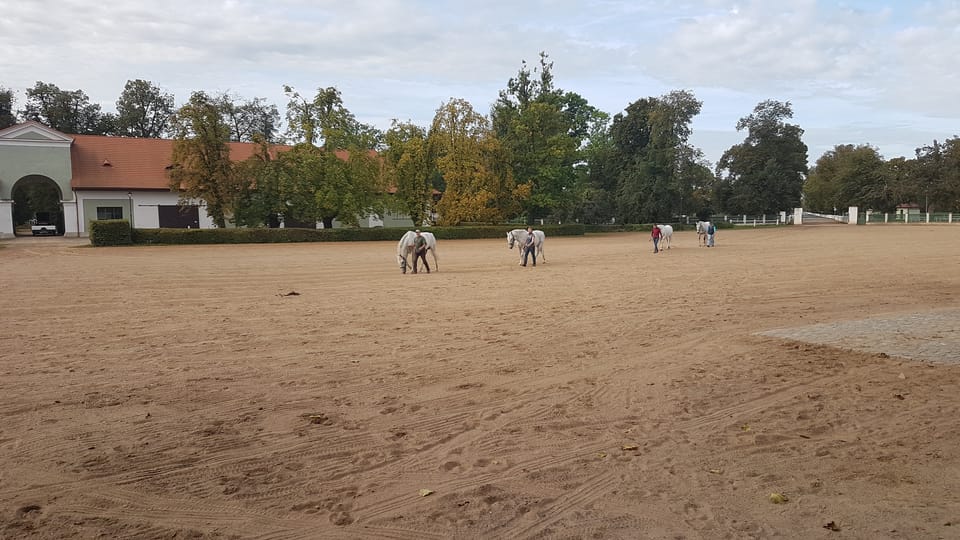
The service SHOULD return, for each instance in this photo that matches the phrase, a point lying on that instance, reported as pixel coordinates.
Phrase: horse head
(402, 261)
(511, 239)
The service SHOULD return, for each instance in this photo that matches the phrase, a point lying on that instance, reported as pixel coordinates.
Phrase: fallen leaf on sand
(901, 376)
(291, 293)
(832, 527)
(601, 455)
(319, 418)
(425, 492)
(778, 498)
(900, 396)
(716, 471)
(628, 447)
(745, 427)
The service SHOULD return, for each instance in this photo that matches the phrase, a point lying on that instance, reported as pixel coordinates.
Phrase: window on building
(109, 212)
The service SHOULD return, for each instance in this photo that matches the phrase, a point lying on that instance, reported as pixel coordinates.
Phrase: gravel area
(929, 336)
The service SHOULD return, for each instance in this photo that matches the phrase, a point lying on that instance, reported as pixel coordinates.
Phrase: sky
(878, 72)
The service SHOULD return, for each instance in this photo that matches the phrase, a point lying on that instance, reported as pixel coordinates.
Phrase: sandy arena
(177, 392)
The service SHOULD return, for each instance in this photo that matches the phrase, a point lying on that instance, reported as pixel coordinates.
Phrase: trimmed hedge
(110, 232)
(269, 236)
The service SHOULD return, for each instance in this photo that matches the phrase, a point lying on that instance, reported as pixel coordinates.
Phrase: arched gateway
(33, 155)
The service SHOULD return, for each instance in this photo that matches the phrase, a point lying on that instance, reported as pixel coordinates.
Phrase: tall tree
(409, 170)
(251, 119)
(846, 176)
(301, 117)
(936, 176)
(144, 110)
(650, 138)
(317, 185)
(66, 111)
(479, 182)
(7, 116)
(201, 158)
(542, 129)
(325, 120)
(765, 173)
(260, 198)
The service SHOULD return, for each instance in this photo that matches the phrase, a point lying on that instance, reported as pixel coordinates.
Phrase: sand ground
(174, 392)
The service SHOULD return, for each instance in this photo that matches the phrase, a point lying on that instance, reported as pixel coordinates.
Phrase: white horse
(519, 236)
(405, 247)
(666, 236)
(702, 227)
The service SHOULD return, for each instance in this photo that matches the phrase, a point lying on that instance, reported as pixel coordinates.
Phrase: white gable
(33, 134)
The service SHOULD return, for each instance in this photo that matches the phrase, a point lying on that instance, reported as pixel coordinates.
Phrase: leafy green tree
(66, 111)
(765, 173)
(847, 176)
(259, 187)
(542, 130)
(250, 120)
(144, 110)
(317, 185)
(201, 158)
(936, 176)
(7, 116)
(479, 182)
(652, 155)
(898, 174)
(325, 120)
(408, 169)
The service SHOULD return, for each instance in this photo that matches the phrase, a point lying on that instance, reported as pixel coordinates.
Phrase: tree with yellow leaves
(479, 184)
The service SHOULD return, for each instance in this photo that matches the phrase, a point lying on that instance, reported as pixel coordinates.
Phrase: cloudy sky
(881, 72)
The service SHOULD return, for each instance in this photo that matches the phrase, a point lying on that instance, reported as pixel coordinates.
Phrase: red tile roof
(101, 162)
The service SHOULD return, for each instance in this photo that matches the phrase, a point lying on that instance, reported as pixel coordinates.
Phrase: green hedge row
(110, 232)
(264, 236)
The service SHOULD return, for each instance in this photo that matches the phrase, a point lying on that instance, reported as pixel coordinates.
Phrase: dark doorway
(176, 216)
(36, 207)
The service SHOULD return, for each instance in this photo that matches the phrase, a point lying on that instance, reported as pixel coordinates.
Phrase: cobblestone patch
(930, 336)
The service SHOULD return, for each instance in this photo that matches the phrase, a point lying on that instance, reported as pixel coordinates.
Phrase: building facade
(98, 177)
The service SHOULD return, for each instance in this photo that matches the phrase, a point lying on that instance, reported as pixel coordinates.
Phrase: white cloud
(887, 62)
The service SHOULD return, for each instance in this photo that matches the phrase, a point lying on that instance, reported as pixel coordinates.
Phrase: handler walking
(655, 236)
(530, 247)
(420, 252)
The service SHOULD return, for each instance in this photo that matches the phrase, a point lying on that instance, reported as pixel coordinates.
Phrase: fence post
(764, 218)
(950, 217)
(744, 219)
(928, 217)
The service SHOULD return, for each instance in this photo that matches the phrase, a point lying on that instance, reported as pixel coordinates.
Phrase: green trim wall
(17, 162)
(90, 209)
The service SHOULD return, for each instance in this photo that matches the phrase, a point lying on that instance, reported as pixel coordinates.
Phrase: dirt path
(611, 393)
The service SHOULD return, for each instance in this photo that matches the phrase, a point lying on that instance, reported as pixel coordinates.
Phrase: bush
(110, 232)
(264, 235)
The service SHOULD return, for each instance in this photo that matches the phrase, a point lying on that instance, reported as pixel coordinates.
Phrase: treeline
(540, 152)
(852, 175)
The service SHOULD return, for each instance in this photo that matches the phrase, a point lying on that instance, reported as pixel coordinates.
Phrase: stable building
(99, 177)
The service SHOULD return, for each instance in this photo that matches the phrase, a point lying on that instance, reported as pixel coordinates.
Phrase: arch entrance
(37, 207)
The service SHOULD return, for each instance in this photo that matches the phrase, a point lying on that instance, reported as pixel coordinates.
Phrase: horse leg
(436, 265)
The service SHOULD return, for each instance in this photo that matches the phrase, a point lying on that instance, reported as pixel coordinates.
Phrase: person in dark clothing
(530, 247)
(420, 252)
(655, 236)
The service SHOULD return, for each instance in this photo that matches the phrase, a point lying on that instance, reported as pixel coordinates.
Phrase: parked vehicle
(44, 224)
